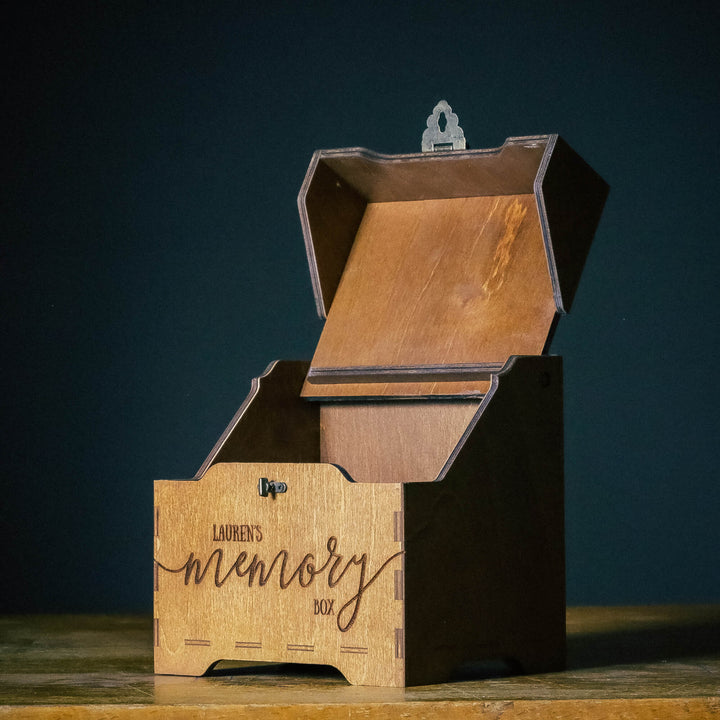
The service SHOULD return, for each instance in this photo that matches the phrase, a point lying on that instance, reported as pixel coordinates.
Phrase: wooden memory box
(394, 508)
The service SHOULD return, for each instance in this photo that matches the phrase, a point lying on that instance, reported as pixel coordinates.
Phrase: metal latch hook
(269, 487)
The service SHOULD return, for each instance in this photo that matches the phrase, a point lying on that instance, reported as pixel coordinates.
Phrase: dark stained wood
(573, 197)
(487, 533)
(330, 213)
(507, 170)
(273, 423)
(447, 372)
(339, 392)
(484, 562)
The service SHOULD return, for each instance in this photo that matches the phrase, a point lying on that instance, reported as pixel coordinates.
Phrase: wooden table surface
(623, 662)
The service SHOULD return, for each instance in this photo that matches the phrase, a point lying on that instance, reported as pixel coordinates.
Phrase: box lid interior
(431, 269)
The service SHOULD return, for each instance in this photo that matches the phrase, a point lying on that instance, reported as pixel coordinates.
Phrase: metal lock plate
(443, 131)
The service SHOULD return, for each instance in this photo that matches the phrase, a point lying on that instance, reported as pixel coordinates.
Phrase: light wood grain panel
(395, 441)
(306, 576)
(438, 282)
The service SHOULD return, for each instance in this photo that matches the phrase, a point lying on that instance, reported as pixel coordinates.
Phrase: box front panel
(310, 575)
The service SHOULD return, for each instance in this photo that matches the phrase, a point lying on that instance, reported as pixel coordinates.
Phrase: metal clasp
(268, 487)
(450, 137)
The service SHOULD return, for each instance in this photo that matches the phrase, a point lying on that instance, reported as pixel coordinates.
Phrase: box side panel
(330, 213)
(485, 575)
(273, 424)
(507, 170)
(571, 198)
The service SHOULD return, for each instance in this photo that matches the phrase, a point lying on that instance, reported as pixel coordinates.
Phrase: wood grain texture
(441, 282)
(476, 558)
(339, 183)
(345, 189)
(392, 441)
(635, 663)
(570, 198)
(305, 576)
(646, 709)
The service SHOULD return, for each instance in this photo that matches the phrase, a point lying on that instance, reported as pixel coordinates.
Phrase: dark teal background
(151, 258)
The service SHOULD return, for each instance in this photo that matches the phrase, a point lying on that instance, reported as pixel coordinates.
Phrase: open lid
(433, 269)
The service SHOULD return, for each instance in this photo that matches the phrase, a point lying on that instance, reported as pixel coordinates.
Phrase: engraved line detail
(354, 650)
(248, 645)
(398, 526)
(197, 642)
(301, 648)
(399, 644)
(195, 570)
(399, 585)
(156, 632)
